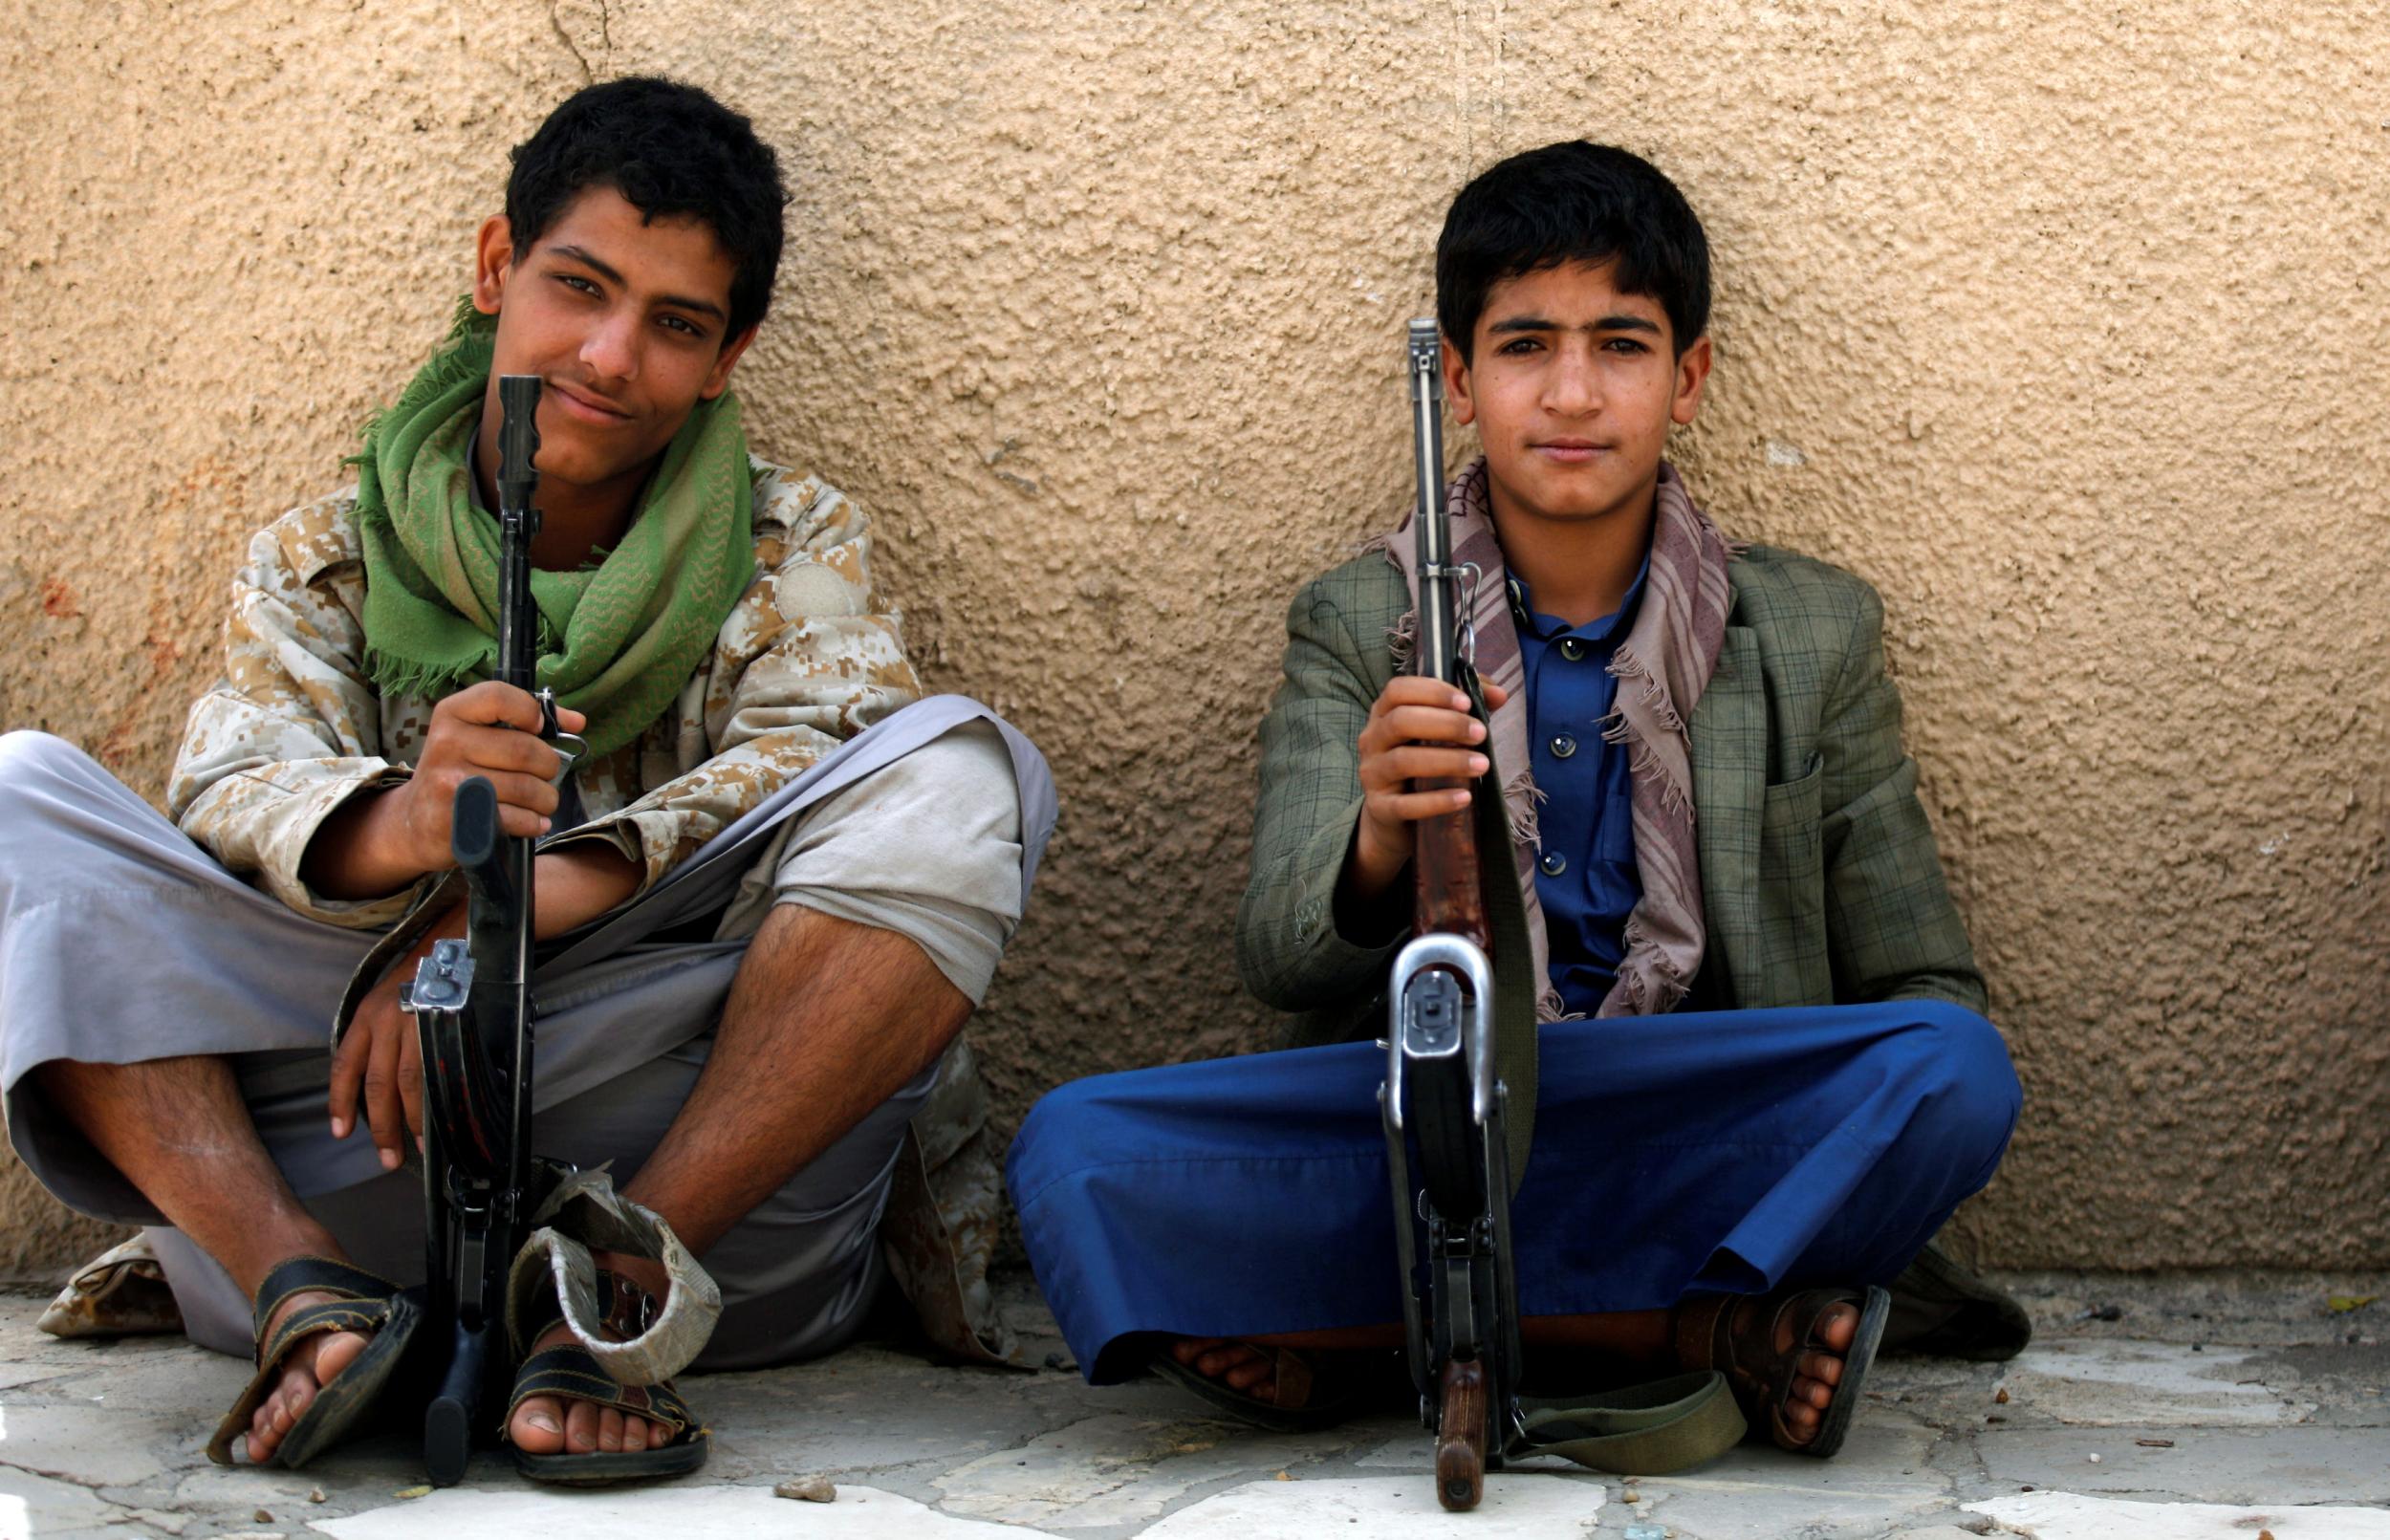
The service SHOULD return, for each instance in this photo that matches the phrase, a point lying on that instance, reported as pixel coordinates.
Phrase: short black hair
(1573, 202)
(669, 149)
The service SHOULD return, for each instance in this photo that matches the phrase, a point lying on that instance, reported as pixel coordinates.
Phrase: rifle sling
(1649, 1429)
(1515, 986)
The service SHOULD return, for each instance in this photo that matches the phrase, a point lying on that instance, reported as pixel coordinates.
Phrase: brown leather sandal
(1761, 1376)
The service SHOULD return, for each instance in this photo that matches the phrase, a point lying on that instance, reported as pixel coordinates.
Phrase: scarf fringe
(1647, 764)
(1522, 798)
(396, 676)
(1627, 665)
(1649, 982)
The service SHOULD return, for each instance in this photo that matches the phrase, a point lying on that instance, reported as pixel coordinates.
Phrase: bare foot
(1240, 1366)
(549, 1424)
(310, 1366)
(1817, 1372)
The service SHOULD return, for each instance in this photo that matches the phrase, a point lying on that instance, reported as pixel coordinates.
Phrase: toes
(335, 1352)
(1823, 1367)
(1238, 1365)
(536, 1427)
(314, 1360)
(264, 1433)
(1256, 1378)
(1255, 1384)
(1186, 1348)
(1216, 1362)
(1837, 1327)
(1244, 1371)
(580, 1426)
(549, 1424)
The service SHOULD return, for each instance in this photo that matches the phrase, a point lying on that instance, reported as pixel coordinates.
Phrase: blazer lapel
(1729, 742)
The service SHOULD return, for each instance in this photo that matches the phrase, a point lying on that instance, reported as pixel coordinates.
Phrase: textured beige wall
(2062, 322)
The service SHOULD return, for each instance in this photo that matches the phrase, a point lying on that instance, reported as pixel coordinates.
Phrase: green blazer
(1821, 882)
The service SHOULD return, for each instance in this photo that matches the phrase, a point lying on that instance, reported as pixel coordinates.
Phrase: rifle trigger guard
(569, 747)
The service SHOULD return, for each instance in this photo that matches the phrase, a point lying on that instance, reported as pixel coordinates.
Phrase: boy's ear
(718, 379)
(1456, 385)
(494, 258)
(1692, 373)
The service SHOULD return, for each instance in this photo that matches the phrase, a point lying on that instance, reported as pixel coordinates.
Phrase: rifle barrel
(1435, 656)
(1449, 898)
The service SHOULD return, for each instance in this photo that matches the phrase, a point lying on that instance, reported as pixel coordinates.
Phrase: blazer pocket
(1791, 812)
(1793, 890)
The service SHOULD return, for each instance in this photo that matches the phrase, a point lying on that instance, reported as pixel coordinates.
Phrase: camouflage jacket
(805, 662)
(295, 728)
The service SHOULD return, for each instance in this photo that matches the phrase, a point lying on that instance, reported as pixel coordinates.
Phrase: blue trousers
(1719, 1152)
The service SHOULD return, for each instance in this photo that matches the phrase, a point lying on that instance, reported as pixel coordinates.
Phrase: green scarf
(616, 641)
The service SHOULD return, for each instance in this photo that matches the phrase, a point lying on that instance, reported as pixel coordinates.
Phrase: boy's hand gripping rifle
(1459, 1299)
(471, 1002)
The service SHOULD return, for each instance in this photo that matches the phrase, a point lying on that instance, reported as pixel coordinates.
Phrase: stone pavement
(2206, 1410)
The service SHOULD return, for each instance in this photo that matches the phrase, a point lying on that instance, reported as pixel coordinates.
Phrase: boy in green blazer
(1766, 1078)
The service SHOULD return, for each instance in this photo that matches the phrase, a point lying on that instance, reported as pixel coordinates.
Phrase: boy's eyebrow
(588, 259)
(1607, 323)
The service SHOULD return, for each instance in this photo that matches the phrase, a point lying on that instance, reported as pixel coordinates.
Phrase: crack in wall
(590, 73)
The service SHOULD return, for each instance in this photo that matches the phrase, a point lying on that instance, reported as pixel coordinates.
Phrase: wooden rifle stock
(1451, 899)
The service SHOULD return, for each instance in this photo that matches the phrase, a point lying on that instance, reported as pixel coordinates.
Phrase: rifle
(1460, 1302)
(471, 1001)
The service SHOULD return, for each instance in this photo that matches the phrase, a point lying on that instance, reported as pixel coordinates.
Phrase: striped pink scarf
(1662, 666)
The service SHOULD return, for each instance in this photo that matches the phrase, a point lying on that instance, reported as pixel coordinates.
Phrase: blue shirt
(1586, 877)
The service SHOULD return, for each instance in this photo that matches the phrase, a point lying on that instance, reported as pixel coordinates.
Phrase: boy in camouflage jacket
(768, 899)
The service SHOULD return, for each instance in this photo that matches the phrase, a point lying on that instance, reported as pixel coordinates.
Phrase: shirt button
(1562, 746)
(1553, 863)
(1572, 648)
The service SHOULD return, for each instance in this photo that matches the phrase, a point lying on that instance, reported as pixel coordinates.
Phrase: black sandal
(363, 1303)
(1761, 1375)
(570, 1372)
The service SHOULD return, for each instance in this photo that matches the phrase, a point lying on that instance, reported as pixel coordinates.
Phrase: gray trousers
(120, 941)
